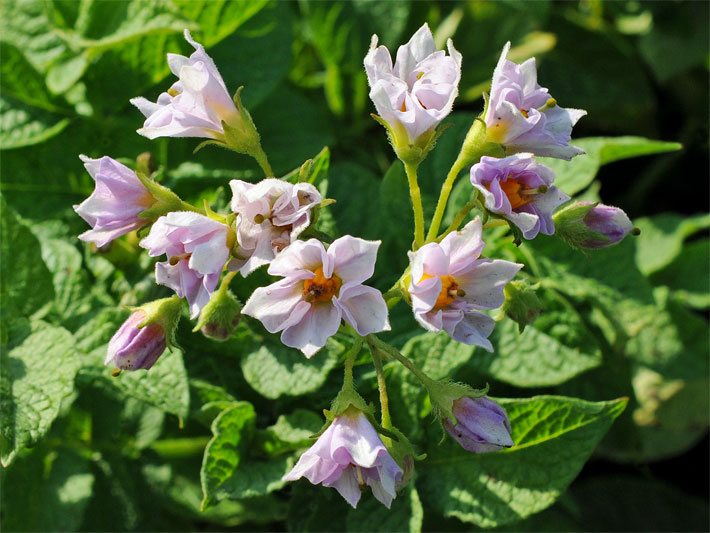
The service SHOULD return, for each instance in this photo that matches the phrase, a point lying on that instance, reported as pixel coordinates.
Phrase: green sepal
(407, 152)
(167, 313)
(570, 226)
(443, 394)
(220, 317)
(521, 303)
(476, 144)
(240, 133)
(348, 398)
(165, 200)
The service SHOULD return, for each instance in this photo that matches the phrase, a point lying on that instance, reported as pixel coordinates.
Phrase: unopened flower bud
(481, 425)
(220, 316)
(591, 225)
(143, 337)
(521, 303)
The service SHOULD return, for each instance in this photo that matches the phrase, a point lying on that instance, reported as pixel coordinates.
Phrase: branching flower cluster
(322, 286)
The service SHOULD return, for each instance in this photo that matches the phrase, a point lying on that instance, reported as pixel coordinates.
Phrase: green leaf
(23, 125)
(38, 369)
(275, 370)
(297, 427)
(27, 283)
(164, 386)
(574, 176)
(267, 36)
(232, 431)
(20, 80)
(552, 350)
(406, 513)
(662, 236)
(687, 275)
(256, 478)
(554, 437)
(50, 491)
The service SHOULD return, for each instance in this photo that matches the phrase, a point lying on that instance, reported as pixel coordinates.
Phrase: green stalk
(416, 196)
(386, 421)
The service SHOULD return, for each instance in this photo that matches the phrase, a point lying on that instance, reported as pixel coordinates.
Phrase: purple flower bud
(610, 222)
(114, 208)
(133, 347)
(481, 425)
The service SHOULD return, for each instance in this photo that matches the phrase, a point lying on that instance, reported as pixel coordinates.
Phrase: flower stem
(460, 216)
(416, 196)
(391, 352)
(349, 363)
(386, 421)
(226, 280)
(444, 196)
(263, 161)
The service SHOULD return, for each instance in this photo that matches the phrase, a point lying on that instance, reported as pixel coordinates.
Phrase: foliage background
(90, 452)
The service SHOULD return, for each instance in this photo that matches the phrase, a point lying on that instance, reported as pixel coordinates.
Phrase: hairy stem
(263, 161)
(393, 353)
(444, 196)
(382, 386)
(416, 196)
(460, 216)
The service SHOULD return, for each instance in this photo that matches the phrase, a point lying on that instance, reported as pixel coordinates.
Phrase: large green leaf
(23, 125)
(551, 350)
(275, 370)
(406, 513)
(38, 367)
(232, 431)
(164, 386)
(687, 275)
(662, 236)
(50, 491)
(554, 437)
(26, 281)
(574, 176)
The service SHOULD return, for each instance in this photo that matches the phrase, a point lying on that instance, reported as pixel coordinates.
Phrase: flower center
(175, 259)
(449, 291)
(524, 112)
(320, 288)
(517, 195)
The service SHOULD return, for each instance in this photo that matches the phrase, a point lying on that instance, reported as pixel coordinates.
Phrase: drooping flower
(195, 105)
(481, 425)
(593, 225)
(523, 117)
(271, 215)
(418, 91)
(114, 208)
(520, 190)
(348, 456)
(197, 248)
(145, 334)
(450, 285)
(320, 288)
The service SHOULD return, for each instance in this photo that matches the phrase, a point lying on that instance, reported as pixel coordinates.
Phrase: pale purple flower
(133, 347)
(523, 117)
(610, 222)
(418, 91)
(450, 285)
(114, 208)
(348, 456)
(481, 425)
(320, 288)
(520, 190)
(271, 215)
(195, 105)
(197, 250)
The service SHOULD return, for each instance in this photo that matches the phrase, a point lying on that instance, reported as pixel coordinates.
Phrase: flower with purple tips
(523, 117)
(450, 285)
(348, 456)
(481, 425)
(520, 190)
(115, 206)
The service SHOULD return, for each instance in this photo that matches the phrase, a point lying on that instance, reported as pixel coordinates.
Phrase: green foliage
(553, 438)
(203, 439)
(38, 368)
